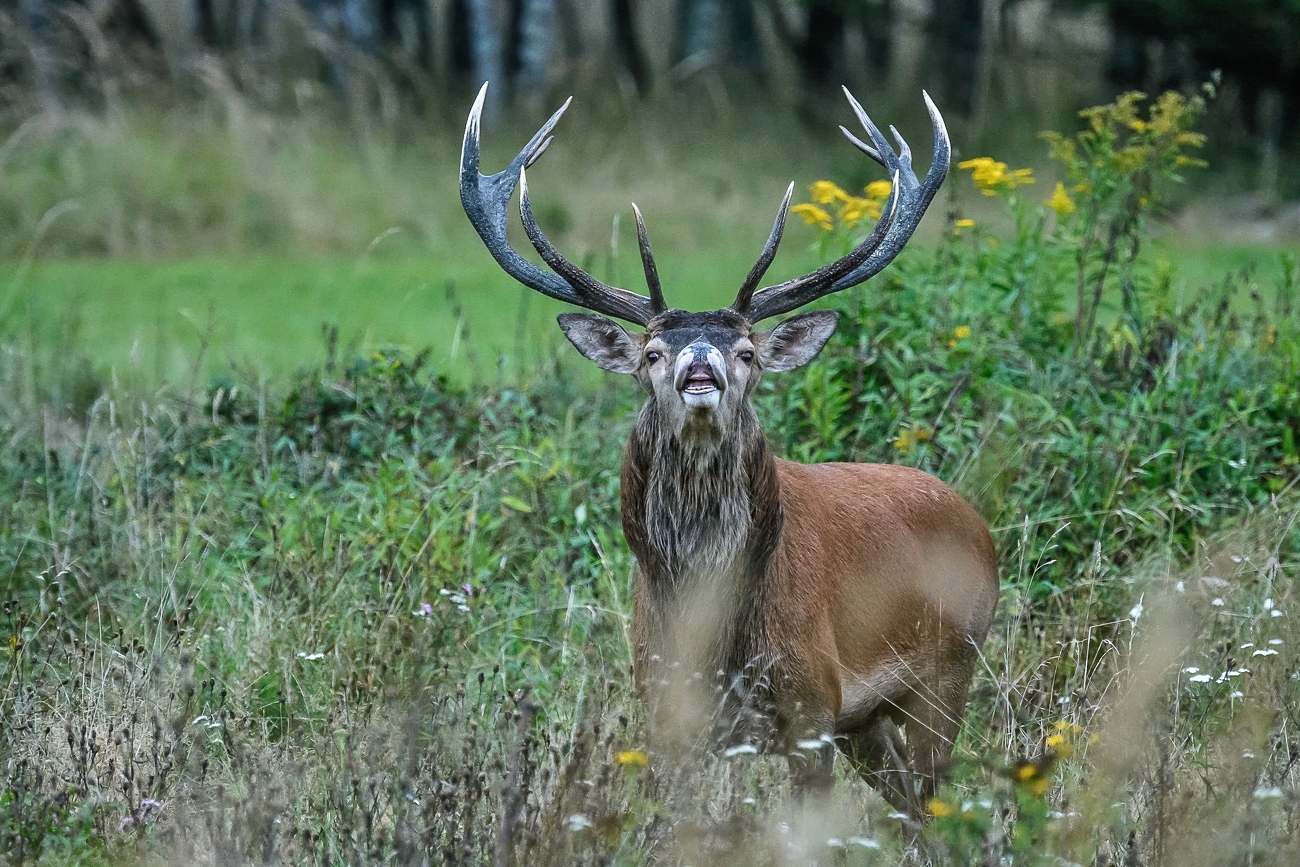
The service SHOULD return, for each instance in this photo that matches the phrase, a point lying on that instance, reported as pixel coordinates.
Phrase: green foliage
(1118, 165)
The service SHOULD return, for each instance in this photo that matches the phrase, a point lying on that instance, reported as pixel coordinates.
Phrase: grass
(156, 322)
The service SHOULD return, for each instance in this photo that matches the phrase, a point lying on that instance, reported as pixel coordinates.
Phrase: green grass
(156, 322)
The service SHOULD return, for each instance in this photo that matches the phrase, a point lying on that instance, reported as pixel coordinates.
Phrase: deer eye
(747, 356)
(651, 356)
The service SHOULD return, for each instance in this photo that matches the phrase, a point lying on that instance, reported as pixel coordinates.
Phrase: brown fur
(861, 594)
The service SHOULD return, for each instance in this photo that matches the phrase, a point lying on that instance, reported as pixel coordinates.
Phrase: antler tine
(918, 196)
(648, 263)
(595, 295)
(746, 293)
(795, 293)
(908, 199)
(486, 199)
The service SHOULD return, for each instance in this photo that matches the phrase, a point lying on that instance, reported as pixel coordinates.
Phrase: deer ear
(797, 340)
(603, 341)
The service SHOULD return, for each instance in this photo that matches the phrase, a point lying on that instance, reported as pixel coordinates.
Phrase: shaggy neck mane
(701, 512)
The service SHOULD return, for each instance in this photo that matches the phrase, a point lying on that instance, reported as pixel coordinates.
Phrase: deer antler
(908, 199)
(485, 199)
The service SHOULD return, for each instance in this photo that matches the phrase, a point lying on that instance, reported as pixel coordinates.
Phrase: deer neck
(700, 505)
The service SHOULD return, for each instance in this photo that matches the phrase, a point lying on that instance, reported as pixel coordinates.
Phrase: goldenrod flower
(961, 332)
(992, 176)
(814, 216)
(965, 224)
(632, 757)
(1060, 201)
(939, 808)
(855, 209)
(826, 192)
(878, 190)
(909, 437)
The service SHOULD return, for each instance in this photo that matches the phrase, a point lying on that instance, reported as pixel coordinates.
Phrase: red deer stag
(836, 602)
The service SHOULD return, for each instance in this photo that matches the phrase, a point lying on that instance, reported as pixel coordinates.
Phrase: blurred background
(187, 183)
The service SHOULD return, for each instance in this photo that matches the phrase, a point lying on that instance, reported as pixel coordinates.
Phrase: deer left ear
(602, 340)
(797, 340)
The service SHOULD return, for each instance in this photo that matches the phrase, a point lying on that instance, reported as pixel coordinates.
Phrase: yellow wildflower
(855, 209)
(826, 192)
(814, 216)
(965, 224)
(1060, 201)
(992, 176)
(632, 757)
(961, 332)
(909, 437)
(1059, 745)
(878, 189)
(940, 808)
(1130, 159)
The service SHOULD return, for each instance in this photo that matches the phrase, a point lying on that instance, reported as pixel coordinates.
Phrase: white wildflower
(1200, 678)
(1217, 602)
(1262, 794)
(740, 750)
(1265, 652)
(578, 822)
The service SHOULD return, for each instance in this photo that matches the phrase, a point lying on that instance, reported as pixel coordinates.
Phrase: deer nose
(699, 368)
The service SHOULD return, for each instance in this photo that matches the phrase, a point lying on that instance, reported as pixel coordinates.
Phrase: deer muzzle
(700, 377)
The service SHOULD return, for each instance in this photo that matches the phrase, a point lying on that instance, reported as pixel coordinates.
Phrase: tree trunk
(627, 47)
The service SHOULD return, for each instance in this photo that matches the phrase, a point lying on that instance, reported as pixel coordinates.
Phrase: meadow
(284, 586)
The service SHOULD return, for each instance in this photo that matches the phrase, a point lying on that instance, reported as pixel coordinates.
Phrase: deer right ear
(602, 340)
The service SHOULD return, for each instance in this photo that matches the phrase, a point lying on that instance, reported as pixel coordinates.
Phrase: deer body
(797, 607)
(798, 574)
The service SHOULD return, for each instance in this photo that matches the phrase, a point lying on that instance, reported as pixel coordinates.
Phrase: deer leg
(810, 751)
(933, 718)
(879, 753)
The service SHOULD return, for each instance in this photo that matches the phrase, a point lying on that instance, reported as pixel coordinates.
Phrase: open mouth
(700, 383)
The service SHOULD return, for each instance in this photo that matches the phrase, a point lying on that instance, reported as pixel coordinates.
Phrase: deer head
(698, 368)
